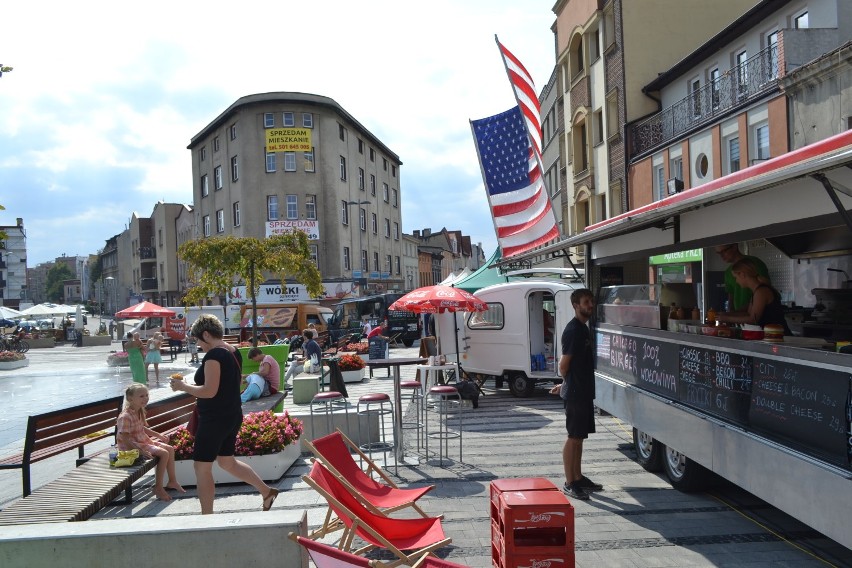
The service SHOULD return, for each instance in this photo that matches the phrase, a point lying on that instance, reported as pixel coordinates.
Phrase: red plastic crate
(540, 521)
(539, 560)
(499, 486)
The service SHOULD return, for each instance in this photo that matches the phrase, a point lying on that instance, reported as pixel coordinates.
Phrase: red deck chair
(326, 556)
(418, 536)
(334, 451)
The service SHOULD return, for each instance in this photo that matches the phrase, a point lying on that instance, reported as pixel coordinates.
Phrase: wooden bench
(91, 486)
(60, 431)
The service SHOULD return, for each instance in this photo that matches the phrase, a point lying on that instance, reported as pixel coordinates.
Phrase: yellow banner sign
(288, 140)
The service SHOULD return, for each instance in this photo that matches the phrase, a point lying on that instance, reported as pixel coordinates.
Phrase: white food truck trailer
(773, 418)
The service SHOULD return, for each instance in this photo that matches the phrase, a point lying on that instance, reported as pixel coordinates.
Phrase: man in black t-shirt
(576, 366)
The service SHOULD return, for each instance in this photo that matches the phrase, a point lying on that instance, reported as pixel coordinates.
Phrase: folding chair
(326, 556)
(418, 536)
(380, 497)
(394, 341)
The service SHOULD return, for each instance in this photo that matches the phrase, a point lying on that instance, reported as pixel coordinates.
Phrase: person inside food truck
(738, 296)
(765, 306)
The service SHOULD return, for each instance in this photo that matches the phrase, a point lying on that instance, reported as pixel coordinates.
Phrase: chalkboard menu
(802, 404)
(717, 382)
(378, 347)
(646, 363)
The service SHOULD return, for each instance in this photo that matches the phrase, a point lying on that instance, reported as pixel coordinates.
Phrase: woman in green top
(135, 358)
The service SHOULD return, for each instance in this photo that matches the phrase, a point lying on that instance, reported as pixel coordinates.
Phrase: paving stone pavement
(637, 521)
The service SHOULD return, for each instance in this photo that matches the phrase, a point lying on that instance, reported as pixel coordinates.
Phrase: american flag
(525, 94)
(519, 203)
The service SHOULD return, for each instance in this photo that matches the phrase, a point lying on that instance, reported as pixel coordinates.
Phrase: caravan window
(490, 319)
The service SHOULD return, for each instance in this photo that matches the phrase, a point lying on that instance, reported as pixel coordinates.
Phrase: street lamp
(360, 231)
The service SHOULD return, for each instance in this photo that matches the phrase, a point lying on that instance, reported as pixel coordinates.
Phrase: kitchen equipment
(847, 284)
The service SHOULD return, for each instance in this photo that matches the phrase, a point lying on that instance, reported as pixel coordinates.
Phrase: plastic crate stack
(532, 524)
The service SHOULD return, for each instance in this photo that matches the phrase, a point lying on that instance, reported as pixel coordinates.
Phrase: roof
(484, 276)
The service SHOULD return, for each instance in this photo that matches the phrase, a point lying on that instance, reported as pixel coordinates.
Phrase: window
(235, 169)
(362, 218)
(702, 165)
(612, 114)
(676, 167)
(393, 170)
(289, 161)
(387, 228)
(346, 259)
(385, 164)
(309, 161)
(695, 91)
(307, 120)
(374, 223)
(376, 267)
(372, 185)
(761, 139)
(733, 154)
(288, 119)
(385, 192)
(398, 266)
(361, 179)
(581, 150)
(217, 177)
(363, 260)
(206, 222)
(312, 253)
(205, 187)
(292, 207)
(742, 73)
(395, 198)
(271, 207)
(236, 213)
(659, 183)
(396, 231)
(342, 168)
(202, 153)
(716, 86)
(388, 264)
(270, 162)
(268, 120)
(341, 132)
(595, 41)
(492, 318)
(216, 144)
(800, 22)
(311, 207)
(609, 27)
(233, 131)
(772, 54)
(372, 155)
(345, 213)
(220, 220)
(598, 127)
(360, 146)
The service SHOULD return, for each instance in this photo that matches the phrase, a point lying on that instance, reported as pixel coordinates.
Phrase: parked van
(517, 339)
(349, 314)
(282, 320)
(177, 325)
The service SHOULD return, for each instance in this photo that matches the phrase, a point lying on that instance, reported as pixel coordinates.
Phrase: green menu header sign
(692, 255)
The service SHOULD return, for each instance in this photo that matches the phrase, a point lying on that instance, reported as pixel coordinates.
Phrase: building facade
(13, 265)
(276, 162)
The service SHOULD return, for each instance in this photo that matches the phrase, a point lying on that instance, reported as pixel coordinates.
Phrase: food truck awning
(812, 193)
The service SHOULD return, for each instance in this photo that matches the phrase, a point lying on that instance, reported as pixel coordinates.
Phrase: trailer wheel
(521, 385)
(649, 452)
(683, 473)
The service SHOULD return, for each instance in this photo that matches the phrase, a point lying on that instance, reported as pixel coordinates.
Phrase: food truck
(773, 418)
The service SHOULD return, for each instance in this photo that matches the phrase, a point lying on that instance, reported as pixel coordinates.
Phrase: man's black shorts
(579, 418)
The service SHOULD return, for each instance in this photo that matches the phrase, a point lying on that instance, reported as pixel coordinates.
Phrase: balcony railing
(148, 284)
(147, 252)
(733, 88)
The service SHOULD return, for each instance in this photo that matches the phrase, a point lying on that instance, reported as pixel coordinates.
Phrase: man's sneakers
(589, 485)
(580, 489)
(575, 491)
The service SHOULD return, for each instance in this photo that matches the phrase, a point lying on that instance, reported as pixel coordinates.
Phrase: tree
(56, 277)
(216, 264)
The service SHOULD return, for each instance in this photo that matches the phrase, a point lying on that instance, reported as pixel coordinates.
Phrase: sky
(104, 98)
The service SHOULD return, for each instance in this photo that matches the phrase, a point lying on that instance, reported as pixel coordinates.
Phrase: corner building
(277, 161)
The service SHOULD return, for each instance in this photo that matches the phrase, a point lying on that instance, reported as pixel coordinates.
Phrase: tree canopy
(56, 276)
(217, 264)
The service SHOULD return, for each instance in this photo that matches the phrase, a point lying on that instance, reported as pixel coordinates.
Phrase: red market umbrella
(439, 299)
(144, 310)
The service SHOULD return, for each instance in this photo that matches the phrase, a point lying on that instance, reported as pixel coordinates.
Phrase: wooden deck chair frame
(327, 556)
(358, 525)
(360, 494)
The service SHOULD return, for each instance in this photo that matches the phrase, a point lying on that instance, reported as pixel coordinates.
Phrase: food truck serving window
(490, 319)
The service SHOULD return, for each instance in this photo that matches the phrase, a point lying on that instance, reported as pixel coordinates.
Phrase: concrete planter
(10, 365)
(353, 376)
(90, 340)
(270, 467)
(41, 342)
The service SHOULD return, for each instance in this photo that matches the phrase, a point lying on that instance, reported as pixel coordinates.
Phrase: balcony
(734, 88)
(148, 284)
(147, 253)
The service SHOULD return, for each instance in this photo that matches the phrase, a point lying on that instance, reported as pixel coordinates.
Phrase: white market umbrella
(78, 322)
(9, 313)
(44, 310)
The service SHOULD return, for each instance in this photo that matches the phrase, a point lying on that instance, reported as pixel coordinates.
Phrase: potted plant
(351, 367)
(12, 360)
(269, 442)
(118, 359)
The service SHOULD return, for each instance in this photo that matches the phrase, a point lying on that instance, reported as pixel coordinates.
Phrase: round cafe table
(395, 363)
